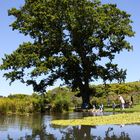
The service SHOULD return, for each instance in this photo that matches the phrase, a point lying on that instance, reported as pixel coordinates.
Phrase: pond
(38, 127)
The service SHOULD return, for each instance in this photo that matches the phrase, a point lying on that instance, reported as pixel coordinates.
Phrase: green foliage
(69, 40)
(116, 88)
(16, 104)
(111, 91)
(19, 96)
(8, 105)
(60, 99)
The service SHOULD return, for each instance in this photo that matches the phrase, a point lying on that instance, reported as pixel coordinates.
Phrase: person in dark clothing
(132, 99)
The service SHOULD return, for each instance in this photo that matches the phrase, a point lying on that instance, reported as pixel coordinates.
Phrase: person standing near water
(113, 106)
(122, 101)
(132, 99)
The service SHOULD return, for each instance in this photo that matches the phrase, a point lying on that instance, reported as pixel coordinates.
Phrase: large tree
(72, 40)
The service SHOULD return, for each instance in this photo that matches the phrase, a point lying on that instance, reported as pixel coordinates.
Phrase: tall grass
(15, 105)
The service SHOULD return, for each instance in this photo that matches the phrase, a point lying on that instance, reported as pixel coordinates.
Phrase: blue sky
(10, 40)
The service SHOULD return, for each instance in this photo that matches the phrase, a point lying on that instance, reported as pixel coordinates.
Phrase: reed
(15, 105)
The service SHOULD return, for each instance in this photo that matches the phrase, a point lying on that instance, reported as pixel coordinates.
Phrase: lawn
(135, 108)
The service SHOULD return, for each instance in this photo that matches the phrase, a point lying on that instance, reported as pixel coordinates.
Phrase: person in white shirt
(122, 101)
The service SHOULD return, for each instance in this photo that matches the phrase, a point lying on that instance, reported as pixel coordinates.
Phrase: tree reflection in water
(123, 136)
(84, 133)
(72, 133)
(39, 128)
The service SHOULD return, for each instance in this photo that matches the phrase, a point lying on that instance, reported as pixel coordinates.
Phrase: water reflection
(84, 133)
(38, 127)
(122, 136)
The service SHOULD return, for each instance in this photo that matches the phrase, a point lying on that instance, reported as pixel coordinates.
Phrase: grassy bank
(135, 108)
(125, 118)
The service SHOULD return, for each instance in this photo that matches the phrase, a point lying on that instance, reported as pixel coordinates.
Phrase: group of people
(98, 108)
(123, 104)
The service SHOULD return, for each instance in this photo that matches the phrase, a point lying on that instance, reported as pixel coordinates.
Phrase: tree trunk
(85, 93)
(42, 103)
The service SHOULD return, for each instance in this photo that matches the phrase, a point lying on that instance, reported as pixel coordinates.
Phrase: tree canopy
(70, 40)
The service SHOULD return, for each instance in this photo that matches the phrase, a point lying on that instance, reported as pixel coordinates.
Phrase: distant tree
(70, 39)
(20, 96)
